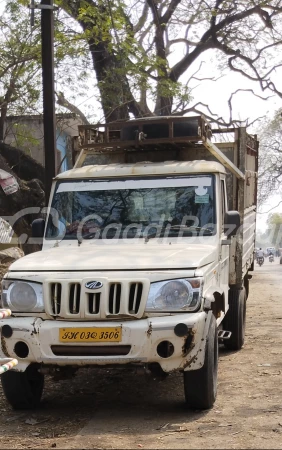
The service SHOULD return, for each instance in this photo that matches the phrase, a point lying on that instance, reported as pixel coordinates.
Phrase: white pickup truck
(146, 252)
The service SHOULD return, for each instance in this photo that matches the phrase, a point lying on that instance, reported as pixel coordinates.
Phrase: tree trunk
(112, 84)
(163, 106)
(3, 115)
(116, 96)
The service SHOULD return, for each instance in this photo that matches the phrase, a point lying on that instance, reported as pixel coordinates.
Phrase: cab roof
(143, 169)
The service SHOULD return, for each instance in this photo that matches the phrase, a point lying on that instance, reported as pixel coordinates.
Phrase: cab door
(224, 246)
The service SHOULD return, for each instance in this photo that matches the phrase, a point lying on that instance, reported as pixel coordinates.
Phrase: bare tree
(270, 162)
(143, 52)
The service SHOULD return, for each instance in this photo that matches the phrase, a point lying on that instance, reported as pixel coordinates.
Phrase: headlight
(175, 295)
(22, 296)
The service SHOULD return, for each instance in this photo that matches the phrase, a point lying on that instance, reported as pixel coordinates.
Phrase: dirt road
(101, 409)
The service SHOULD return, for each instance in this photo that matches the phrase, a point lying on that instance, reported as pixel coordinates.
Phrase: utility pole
(49, 119)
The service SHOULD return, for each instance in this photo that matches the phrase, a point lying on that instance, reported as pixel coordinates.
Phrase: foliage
(146, 52)
(20, 61)
(147, 55)
(272, 236)
(19, 69)
(274, 219)
(270, 160)
(274, 229)
(23, 137)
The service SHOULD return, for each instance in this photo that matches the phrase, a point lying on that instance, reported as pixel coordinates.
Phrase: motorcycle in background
(260, 260)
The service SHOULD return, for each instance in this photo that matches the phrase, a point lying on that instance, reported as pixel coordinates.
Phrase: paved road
(102, 409)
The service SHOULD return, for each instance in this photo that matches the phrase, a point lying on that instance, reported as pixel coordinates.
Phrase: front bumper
(142, 338)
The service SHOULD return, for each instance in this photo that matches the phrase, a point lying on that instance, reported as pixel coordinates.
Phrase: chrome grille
(93, 302)
(56, 298)
(114, 298)
(74, 298)
(135, 295)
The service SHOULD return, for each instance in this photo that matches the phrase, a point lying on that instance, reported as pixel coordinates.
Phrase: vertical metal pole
(49, 119)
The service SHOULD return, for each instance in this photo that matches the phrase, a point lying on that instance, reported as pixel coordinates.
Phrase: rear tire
(247, 285)
(235, 320)
(200, 386)
(23, 390)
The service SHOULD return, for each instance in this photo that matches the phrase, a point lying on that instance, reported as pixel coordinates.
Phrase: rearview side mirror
(37, 228)
(232, 222)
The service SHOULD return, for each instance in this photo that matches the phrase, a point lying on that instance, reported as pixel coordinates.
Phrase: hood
(117, 257)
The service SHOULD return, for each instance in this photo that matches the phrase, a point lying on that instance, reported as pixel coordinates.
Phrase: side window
(223, 204)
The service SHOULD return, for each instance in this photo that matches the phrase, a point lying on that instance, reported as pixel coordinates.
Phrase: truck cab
(142, 263)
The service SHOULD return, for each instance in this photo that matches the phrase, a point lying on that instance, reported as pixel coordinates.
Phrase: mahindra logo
(93, 285)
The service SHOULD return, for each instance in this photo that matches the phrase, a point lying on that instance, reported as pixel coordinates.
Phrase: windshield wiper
(99, 231)
(90, 235)
(178, 228)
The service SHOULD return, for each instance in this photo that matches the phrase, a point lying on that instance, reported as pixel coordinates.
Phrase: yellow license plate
(90, 334)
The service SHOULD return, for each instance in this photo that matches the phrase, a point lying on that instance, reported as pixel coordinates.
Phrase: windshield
(133, 208)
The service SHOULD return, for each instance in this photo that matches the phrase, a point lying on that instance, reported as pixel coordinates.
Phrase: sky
(245, 104)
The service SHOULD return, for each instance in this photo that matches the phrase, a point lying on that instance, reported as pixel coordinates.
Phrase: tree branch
(243, 90)
(142, 19)
(207, 40)
(169, 12)
(62, 101)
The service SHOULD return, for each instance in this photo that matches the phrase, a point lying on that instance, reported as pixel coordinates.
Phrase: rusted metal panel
(223, 159)
(241, 250)
(138, 132)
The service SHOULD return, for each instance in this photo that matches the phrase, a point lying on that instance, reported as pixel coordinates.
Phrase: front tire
(235, 320)
(23, 390)
(200, 386)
